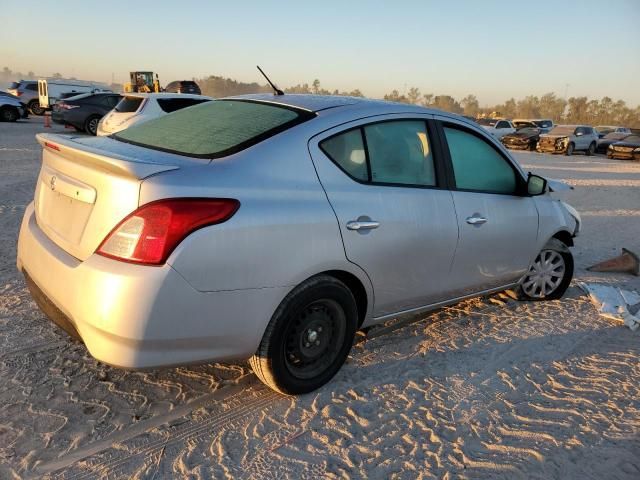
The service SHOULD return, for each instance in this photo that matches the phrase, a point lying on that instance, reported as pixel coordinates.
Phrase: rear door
(498, 226)
(397, 220)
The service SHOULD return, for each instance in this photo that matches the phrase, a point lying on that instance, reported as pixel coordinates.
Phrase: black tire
(562, 251)
(91, 125)
(570, 148)
(286, 360)
(9, 114)
(35, 108)
(591, 150)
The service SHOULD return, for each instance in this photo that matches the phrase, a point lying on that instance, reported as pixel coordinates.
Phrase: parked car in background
(608, 139)
(497, 127)
(624, 149)
(544, 124)
(145, 244)
(525, 137)
(568, 139)
(27, 92)
(183, 86)
(84, 111)
(12, 109)
(605, 129)
(50, 89)
(136, 108)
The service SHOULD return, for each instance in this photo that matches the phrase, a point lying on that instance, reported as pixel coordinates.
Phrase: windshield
(543, 123)
(14, 85)
(214, 129)
(487, 122)
(562, 130)
(128, 104)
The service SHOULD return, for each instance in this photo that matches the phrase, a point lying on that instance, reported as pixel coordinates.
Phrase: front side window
(477, 165)
(399, 153)
(502, 125)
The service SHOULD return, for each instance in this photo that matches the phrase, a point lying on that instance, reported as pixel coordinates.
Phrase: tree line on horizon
(604, 111)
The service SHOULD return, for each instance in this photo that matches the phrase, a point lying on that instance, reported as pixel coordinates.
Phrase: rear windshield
(129, 104)
(173, 104)
(214, 129)
(14, 85)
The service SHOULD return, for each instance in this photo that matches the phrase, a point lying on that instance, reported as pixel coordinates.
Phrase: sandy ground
(490, 388)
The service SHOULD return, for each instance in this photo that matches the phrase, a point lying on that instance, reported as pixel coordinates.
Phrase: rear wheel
(91, 125)
(591, 150)
(35, 108)
(9, 114)
(569, 150)
(308, 338)
(550, 273)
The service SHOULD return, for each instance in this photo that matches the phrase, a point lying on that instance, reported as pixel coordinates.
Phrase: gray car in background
(567, 139)
(27, 92)
(273, 227)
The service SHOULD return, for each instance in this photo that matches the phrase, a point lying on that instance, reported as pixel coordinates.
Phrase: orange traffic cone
(627, 262)
(47, 120)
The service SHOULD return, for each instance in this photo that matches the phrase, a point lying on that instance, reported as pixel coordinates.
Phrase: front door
(498, 226)
(397, 222)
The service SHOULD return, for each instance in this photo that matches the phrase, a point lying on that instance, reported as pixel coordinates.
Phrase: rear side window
(216, 128)
(347, 151)
(477, 165)
(396, 153)
(129, 104)
(399, 153)
(173, 104)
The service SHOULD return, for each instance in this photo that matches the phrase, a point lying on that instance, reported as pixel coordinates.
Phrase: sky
(493, 49)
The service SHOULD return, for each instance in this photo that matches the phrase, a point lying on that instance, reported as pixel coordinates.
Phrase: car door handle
(476, 220)
(360, 225)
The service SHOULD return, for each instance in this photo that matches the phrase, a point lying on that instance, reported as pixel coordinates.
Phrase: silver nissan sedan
(273, 227)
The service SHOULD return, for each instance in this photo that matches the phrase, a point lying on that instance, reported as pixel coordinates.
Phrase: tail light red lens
(149, 234)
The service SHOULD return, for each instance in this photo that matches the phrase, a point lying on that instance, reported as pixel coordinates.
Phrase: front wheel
(549, 275)
(591, 150)
(308, 338)
(569, 150)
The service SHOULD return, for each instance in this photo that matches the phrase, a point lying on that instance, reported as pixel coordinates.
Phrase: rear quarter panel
(283, 233)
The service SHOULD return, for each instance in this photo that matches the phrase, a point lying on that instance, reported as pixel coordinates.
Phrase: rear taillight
(149, 235)
(19, 93)
(66, 106)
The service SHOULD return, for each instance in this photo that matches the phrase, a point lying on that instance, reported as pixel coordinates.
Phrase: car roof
(320, 103)
(164, 95)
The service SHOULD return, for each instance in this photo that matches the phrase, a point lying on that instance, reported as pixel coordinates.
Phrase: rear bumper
(134, 316)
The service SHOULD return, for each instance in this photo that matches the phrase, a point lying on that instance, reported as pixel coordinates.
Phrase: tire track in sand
(230, 404)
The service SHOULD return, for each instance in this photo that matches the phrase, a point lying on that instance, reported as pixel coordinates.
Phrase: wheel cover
(314, 338)
(93, 125)
(545, 275)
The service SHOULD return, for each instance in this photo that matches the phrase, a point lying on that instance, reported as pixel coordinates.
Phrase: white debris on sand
(614, 303)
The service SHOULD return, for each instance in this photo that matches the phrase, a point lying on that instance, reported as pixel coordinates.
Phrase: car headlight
(636, 150)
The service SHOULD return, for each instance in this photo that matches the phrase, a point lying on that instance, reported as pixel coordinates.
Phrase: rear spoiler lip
(114, 163)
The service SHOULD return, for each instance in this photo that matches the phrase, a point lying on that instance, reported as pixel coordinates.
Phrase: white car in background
(135, 108)
(497, 127)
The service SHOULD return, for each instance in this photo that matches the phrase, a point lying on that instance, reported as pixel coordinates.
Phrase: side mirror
(536, 185)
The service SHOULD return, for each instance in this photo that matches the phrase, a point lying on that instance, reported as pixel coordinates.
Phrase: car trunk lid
(86, 186)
